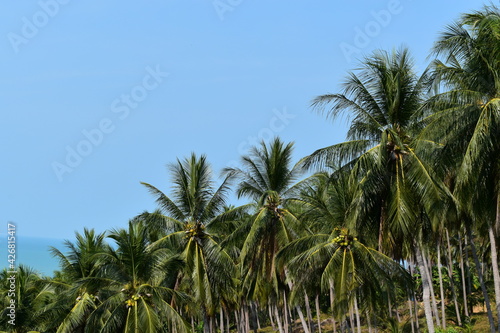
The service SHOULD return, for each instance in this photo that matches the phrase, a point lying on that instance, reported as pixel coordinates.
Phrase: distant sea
(33, 252)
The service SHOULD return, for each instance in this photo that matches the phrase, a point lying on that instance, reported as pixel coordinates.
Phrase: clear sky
(97, 96)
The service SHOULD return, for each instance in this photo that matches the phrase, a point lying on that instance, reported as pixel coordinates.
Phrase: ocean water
(33, 252)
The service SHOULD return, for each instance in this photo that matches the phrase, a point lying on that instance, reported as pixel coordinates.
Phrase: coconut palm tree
(387, 157)
(469, 119)
(21, 299)
(134, 283)
(357, 271)
(266, 177)
(69, 310)
(192, 222)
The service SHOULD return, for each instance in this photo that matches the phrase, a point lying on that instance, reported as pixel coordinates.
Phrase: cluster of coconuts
(344, 240)
(193, 230)
(132, 301)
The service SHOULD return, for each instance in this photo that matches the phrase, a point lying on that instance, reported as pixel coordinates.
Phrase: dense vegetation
(399, 222)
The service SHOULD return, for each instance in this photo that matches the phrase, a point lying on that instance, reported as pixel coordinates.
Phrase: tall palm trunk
(356, 311)
(257, 321)
(221, 319)
(285, 313)
(297, 307)
(302, 320)
(310, 322)
(318, 312)
(426, 292)
(494, 260)
(462, 270)
(410, 307)
(452, 283)
(237, 319)
(331, 305)
(278, 319)
(470, 310)
(206, 323)
(271, 317)
(481, 279)
(441, 288)
(368, 321)
(247, 318)
(414, 300)
(494, 266)
(428, 270)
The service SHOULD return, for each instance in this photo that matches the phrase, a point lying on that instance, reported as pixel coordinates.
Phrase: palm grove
(394, 229)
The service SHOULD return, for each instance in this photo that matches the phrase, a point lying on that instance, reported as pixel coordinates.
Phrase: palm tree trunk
(237, 319)
(331, 305)
(310, 322)
(302, 320)
(285, 313)
(206, 323)
(356, 311)
(221, 319)
(414, 300)
(247, 318)
(299, 311)
(351, 319)
(426, 291)
(481, 280)
(428, 268)
(368, 322)
(441, 288)
(450, 275)
(494, 266)
(410, 307)
(462, 274)
(256, 309)
(271, 317)
(278, 319)
(318, 312)
(469, 310)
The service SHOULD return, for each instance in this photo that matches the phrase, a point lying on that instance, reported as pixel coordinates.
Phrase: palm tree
(134, 283)
(267, 177)
(21, 298)
(73, 303)
(357, 271)
(469, 119)
(387, 157)
(193, 221)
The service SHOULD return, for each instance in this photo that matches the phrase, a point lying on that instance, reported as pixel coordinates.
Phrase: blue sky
(129, 86)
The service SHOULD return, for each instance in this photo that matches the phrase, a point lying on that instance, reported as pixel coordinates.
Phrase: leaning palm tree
(192, 221)
(469, 119)
(387, 157)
